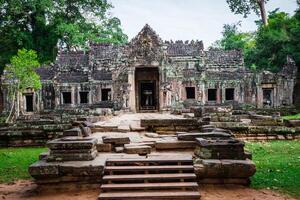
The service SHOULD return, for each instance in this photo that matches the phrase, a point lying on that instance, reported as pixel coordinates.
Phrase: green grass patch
(278, 166)
(14, 162)
(288, 117)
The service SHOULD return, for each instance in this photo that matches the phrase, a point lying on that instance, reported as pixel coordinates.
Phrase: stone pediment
(146, 47)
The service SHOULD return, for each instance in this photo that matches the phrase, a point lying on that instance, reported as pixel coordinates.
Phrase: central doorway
(146, 81)
(147, 95)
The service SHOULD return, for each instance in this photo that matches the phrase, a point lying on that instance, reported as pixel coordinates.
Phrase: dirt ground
(27, 190)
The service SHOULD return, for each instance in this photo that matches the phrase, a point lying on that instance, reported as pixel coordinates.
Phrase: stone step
(138, 161)
(152, 186)
(150, 195)
(139, 177)
(149, 168)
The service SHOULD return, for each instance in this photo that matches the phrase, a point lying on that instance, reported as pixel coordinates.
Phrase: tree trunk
(263, 13)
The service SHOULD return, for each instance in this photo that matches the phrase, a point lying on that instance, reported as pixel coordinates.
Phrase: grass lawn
(14, 162)
(297, 116)
(278, 166)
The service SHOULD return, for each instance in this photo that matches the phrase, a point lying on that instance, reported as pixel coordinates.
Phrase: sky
(186, 19)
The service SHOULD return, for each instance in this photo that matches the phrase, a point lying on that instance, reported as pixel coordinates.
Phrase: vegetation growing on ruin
(14, 162)
(278, 166)
(22, 71)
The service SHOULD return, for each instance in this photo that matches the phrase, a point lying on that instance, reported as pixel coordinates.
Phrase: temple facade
(149, 74)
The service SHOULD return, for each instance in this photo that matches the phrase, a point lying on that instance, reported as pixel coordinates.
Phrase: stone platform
(83, 159)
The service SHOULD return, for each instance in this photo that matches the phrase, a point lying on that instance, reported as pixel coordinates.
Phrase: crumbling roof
(72, 58)
(225, 75)
(45, 73)
(180, 48)
(102, 75)
(221, 57)
(72, 77)
(100, 51)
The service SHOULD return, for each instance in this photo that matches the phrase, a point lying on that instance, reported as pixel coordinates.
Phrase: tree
(245, 7)
(21, 75)
(42, 24)
(232, 39)
(273, 42)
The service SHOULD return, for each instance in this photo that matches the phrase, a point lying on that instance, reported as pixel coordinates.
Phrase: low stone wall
(31, 135)
(250, 132)
(38, 130)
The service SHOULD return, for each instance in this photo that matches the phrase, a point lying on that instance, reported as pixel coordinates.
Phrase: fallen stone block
(150, 143)
(55, 157)
(116, 140)
(76, 132)
(104, 147)
(210, 135)
(141, 150)
(213, 168)
(166, 145)
(220, 149)
(72, 143)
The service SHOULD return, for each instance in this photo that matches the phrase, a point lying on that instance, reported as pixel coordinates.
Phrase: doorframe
(137, 87)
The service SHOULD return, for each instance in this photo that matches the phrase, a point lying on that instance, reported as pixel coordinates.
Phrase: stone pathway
(132, 120)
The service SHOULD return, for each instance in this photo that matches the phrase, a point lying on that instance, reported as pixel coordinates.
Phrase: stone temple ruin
(144, 151)
(148, 74)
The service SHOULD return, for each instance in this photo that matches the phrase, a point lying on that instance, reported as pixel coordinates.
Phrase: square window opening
(229, 94)
(84, 99)
(105, 94)
(212, 94)
(190, 92)
(66, 97)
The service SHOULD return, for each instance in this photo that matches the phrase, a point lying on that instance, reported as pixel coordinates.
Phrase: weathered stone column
(218, 96)
(131, 82)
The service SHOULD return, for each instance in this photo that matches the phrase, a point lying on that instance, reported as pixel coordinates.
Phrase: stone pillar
(132, 97)
(218, 96)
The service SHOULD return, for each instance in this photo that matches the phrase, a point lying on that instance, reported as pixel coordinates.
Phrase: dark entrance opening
(105, 94)
(84, 97)
(66, 98)
(29, 102)
(190, 92)
(229, 94)
(147, 95)
(268, 97)
(212, 94)
(146, 81)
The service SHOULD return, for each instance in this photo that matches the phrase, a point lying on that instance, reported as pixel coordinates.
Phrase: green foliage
(269, 46)
(232, 38)
(14, 162)
(277, 169)
(22, 70)
(42, 24)
(272, 42)
(244, 7)
(288, 117)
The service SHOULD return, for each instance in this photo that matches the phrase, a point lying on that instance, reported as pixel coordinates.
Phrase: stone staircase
(149, 178)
